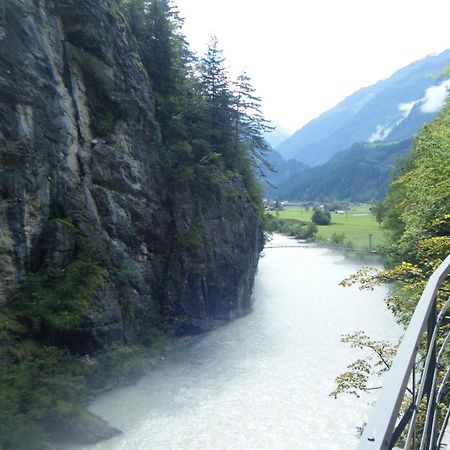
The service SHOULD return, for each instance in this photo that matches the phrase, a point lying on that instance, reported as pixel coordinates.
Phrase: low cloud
(380, 134)
(383, 131)
(435, 97)
(432, 102)
(406, 108)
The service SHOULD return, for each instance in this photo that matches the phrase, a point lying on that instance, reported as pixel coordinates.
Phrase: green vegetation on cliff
(40, 383)
(417, 207)
(211, 127)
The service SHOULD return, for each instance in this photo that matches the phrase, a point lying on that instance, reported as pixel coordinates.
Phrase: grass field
(356, 224)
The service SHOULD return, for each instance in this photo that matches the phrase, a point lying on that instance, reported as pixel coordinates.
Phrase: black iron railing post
(414, 403)
(432, 371)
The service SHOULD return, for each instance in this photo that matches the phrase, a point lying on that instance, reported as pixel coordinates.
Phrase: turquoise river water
(263, 381)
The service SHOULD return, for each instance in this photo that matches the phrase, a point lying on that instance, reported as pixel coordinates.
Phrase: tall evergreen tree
(249, 121)
(214, 77)
(134, 11)
(165, 46)
(203, 118)
(165, 56)
(216, 87)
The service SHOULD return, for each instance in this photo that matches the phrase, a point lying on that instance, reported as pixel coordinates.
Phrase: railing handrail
(379, 429)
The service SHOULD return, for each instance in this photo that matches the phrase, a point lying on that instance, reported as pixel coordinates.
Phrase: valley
(356, 228)
(349, 152)
(180, 271)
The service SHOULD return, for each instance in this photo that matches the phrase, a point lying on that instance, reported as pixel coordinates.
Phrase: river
(263, 381)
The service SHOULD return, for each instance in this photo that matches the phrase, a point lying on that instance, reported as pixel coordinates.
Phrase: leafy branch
(356, 380)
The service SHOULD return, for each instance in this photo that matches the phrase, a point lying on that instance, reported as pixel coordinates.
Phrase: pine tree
(249, 121)
(163, 46)
(134, 11)
(165, 56)
(216, 87)
(206, 126)
(214, 77)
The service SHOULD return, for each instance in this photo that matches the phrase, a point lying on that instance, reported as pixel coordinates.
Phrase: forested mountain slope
(281, 171)
(393, 109)
(361, 174)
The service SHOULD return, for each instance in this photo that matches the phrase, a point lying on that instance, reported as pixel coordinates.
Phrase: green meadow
(356, 225)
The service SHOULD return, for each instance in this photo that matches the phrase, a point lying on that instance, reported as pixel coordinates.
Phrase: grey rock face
(86, 429)
(78, 143)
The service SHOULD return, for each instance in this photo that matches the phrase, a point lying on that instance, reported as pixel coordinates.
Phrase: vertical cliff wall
(79, 152)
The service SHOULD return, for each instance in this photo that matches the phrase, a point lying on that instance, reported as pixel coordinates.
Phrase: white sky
(305, 56)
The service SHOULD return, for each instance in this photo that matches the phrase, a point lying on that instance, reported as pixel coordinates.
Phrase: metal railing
(385, 429)
(2, 18)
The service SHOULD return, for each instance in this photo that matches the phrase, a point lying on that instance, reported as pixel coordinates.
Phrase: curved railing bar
(444, 310)
(443, 427)
(422, 385)
(444, 382)
(438, 360)
(379, 429)
(430, 412)
(419, 396)
(443, 346)
(434, 383)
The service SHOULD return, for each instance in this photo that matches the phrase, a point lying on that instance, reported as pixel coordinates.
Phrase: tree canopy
(321, 216)
(207, 121)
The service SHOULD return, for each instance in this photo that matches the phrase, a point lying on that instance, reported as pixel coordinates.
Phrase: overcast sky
(305, 56)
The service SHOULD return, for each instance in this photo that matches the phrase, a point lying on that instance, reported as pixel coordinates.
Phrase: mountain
(277, 135)
(283, 171)
(394, 108)
(360, 173)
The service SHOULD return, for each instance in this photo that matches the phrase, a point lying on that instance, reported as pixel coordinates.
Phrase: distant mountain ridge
(360, 173)
(394, 109)
(284, 170)
(278, 135)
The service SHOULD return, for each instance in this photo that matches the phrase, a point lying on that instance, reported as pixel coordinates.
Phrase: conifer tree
(214, 77)
(216, 87)
(165, 56)
(249, 121)
(205, 122)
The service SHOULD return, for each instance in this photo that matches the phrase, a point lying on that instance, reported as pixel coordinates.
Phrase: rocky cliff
(79, 156)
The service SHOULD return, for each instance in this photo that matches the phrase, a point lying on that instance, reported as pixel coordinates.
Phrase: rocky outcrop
(79, 148)
(85, 429)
